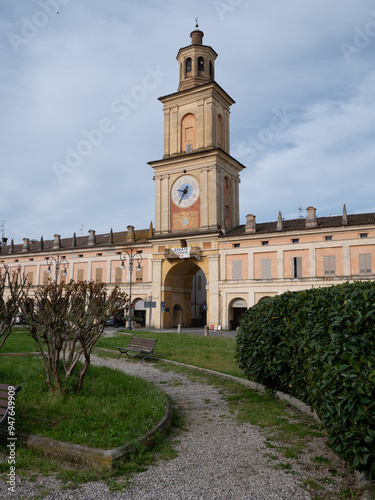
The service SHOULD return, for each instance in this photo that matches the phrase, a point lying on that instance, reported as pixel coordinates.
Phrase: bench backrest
(141, 344)
(4, 395)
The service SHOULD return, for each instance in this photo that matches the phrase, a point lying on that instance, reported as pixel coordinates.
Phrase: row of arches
(200, 67)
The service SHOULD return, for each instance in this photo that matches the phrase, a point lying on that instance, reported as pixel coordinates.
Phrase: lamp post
(58, 262)
(138, 257)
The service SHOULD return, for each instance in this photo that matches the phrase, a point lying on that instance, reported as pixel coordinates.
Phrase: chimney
(311, 220)
(74, 240)
(41, 243)
(56, 242)
(4, 240)
(344, 220)
(11, 247)
(25, 246)
(279, 225)
(91, 240)
(250, 224)
(196, 37)
(111, 236)
(130, 236)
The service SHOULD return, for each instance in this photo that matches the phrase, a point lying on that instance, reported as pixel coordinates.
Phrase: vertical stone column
(234, 201)
(200, 124)
(174, 130)
(167, 132)
(280, 264)
(158, 207)
(312, 259)
(165, 204)
(346, 258)
(204, 197)
(212, 188)
(157, 292)
(208, 126)
(213, 289)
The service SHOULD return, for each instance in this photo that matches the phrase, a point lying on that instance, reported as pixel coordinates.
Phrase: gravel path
(217, 458)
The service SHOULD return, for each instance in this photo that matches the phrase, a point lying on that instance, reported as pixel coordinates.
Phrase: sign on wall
(182, 253)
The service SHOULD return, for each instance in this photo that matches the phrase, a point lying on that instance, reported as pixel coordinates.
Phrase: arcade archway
(185, 296)
(237, 307)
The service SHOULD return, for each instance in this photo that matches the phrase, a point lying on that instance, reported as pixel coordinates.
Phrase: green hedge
(319, 345)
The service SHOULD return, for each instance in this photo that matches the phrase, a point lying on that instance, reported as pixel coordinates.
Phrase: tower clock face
(185, 191)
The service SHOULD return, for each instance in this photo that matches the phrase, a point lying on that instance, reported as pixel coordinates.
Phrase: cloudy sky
(80, 117)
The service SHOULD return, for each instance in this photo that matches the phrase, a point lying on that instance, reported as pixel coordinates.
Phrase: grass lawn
(214, 353)
(112, 409)
(19, 341)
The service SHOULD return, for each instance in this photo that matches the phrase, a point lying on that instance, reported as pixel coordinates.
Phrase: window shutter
(329, 265)
(80, 275)
(118, 275)
(265, 269)
(365, 263)
(237, 270)
(99, 275)
(45, 278)
(30, 278)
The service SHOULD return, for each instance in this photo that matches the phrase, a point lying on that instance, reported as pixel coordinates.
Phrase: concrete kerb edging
(361, 479)
(95, 456)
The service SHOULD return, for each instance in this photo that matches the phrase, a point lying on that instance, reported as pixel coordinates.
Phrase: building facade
(197, 264)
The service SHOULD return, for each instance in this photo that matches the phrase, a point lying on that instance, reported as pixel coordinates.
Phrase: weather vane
(196, 23)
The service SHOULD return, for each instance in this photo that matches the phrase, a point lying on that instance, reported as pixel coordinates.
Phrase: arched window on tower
(188, 133)
(188, 65)
(211, 70)
(200, 63)
(220, 131)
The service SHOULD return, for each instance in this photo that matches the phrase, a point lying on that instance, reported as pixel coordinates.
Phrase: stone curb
(94, 456)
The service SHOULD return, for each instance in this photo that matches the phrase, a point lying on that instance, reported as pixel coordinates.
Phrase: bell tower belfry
(197, 181)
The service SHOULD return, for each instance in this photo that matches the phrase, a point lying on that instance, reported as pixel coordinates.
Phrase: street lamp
(138, 257)
(58, 262)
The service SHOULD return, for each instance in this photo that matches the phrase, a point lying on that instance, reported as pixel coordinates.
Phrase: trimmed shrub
(319, 345)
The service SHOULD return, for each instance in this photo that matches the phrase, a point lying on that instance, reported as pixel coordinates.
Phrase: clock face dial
(185, 191)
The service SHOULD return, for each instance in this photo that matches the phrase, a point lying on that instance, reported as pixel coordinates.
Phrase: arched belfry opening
(185, 296)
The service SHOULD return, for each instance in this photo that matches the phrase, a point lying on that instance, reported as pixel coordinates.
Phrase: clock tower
(196, 181)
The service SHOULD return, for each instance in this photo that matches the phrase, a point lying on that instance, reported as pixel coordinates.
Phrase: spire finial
(196, 23)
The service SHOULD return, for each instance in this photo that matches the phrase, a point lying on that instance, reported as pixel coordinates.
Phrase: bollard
(206, 331)
(179, 329)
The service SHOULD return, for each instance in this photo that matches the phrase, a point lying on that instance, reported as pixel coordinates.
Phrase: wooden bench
(4, 406)
(144, 347)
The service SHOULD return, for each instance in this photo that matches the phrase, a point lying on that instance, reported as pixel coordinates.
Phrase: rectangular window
(296, 267)
(80, 275)
(364, 263)
(329, 265)
(45, 278)
(265, 269)
(237, 270)
(363, 235)
(62, 276)
(226, 211)
(295, 240)
(264, 243)
(139, 275)
(327, 238)
(99, 274)
(236, 245)
(118, 276)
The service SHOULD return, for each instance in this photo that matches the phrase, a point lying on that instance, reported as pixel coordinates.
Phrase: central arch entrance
(185, 296)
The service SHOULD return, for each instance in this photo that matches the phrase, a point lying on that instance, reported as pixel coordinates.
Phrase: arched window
(211, 70)
(188, 132)
(188, 65)
(200, 63)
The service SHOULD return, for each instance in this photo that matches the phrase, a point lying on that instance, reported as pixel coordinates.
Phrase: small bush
(319, 345)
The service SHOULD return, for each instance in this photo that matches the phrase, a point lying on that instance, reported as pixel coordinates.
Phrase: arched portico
(184, 295)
